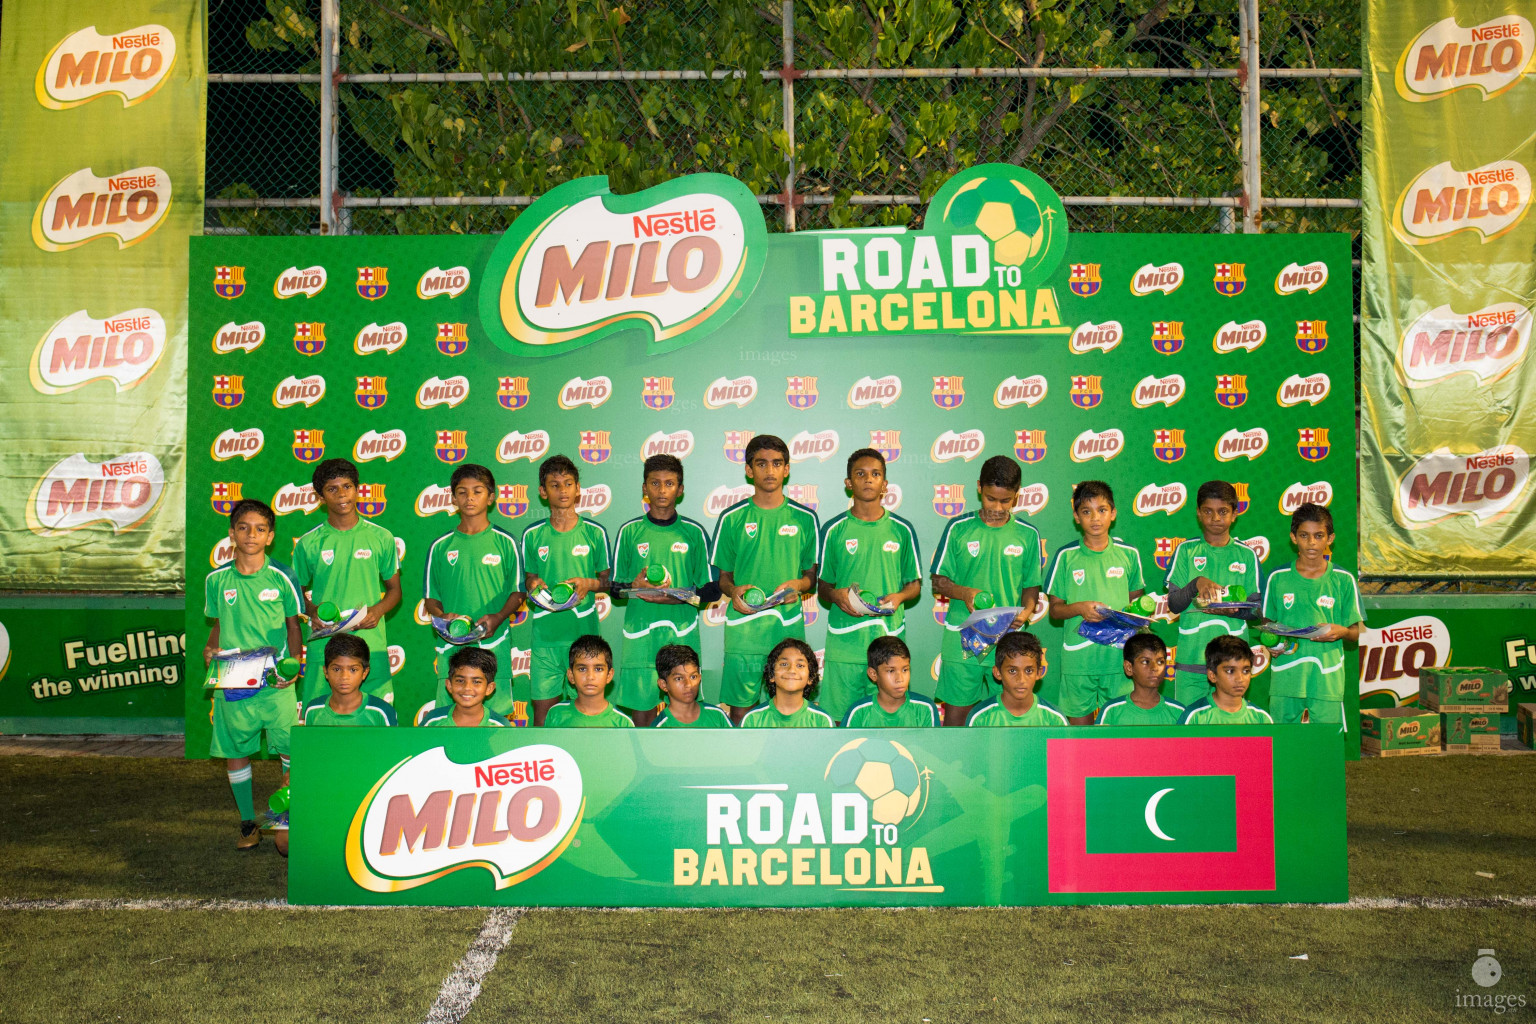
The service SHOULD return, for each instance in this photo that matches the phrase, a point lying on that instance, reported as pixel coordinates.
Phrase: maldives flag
(1192, 814)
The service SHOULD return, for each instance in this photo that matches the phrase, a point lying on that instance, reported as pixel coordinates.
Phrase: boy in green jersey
(346, 661)
(1087, 578)
(473, 574)
(888, 663)
(1201, 571)
(1018, 669)
(565, 548)
(790, 678)
(870, 551)
(350, 562)
(1145, 660)
(677, 670)
(677, 548)
(254, 602)
(471, 682)
(1229, 669)
(766, 542)
(990, 551)
(589, 671)
(1312, 592)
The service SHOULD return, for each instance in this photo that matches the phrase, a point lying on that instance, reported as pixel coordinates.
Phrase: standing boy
(1019, 667)
(679, 548)
(1088, 578)
(1145, 660)
(1228, 669)
(869, 550)
(1201, 571)
(350, 562)
(1312, 592)
(254, 602)
(893, 706)
(565, 548)
(990, 551)
(769, 542)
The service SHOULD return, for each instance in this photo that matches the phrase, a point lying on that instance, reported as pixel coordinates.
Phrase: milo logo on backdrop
(87, 65)
(1391, 656)
(1445, 58)
(673, 263)
(982, 264)
(1443, 484)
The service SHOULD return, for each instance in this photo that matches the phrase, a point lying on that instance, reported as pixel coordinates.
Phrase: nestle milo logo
(1469, 686)
(672, 262)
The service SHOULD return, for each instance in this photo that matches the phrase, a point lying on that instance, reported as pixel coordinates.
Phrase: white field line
(461, 988)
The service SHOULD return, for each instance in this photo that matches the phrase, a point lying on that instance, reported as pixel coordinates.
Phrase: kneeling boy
(791, 678)
(677, 673)
(893, 706)
(1146, 659)
(589, 671)
(471, 682)
(1019, 667)
(1228, 667)
(346, 670)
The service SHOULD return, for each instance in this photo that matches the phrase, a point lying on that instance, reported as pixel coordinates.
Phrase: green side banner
(905, 817)
(1408, 633)
(101, 183)
(1448, 404)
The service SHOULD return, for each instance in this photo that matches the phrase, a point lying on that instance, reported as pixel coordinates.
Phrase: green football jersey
(348, 568)
(763, 547)
(916, 712)
(681, 547)
(444, 717)
(1234, 564)
(565, 716)
(1205, 712)
(372, 711)
(580, 552)
(1001, 560)
(879, 556)
(1079, 573)
(1125, 712)
(253, 611)
(473, 574)
(710, 717)
(1314, 669)
(767, 716)
(992, 713)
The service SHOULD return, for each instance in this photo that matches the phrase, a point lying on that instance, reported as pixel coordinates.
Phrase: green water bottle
(983, 601)
(458, 627)
(560, 593)
(869, 598)
(288, 668)
(1237, 592)
(278, 801)
(1146, 604)
(328, 611)
(657, 575)
(753, 597)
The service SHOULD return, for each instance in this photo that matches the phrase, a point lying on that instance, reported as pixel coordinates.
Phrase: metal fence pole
(1248, 86)
(788, 77)
(330, 63)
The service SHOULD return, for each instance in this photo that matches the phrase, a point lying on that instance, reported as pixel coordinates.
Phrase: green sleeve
(1269, 612)
(827, 556)
(1032, 576)
(622, 569)
(430, 587)
(1050, 576)
(511, 565)
(303, 568)
(1177, 572)
(1352, 613)
(599, 556)
(698, 560)
(293, 599)
(942, 552)
(389, 561)
(808, 546)
(723, 552)
(210, 597)
(1137, 581)
(910, 559)
(525, 560)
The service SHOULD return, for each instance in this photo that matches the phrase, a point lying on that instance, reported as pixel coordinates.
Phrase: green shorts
(378, 684)
(546, 673)
(1082, 695)
(741, 680)
(964, 681)
(238, 724)
(635, 689)
(1187, 687)
(843, 684)
(1287, 711)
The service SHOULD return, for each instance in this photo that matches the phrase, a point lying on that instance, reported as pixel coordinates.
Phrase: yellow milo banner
(101, 183)
(1448, 411)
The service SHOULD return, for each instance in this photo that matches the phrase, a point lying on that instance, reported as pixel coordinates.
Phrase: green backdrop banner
(1153, 362)
(1448, 408)
(101, 183)
(1409, 632)
(904, 817)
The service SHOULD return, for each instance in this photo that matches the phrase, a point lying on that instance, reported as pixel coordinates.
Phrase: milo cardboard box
(1525, 724)
(1470, 732)
(1443, 688)
(1395, 732)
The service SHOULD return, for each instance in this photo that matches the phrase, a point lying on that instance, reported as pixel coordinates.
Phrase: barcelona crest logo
(452, 339)
(1167, 336)
(229, 282)
(887, 443)
(805, 494)
(1168, 445)
(948, 392)
(1242, 496)
(1165, 549)
(370, 499)
(1087, 392)
(656, 393)
(1311, 335)
(1231, 389)
(512, 392)
(372, 282)
(225, 497)
(949, 499)
(1084, 280)
(309, 445)
(228, 391)
(1029, 445)
(451, 446)
(1229, 278)
(512, 500)
(1313, 444)
(371, 393)
(595, 447)
(801, 392)
(309, 338)
(736, 445)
